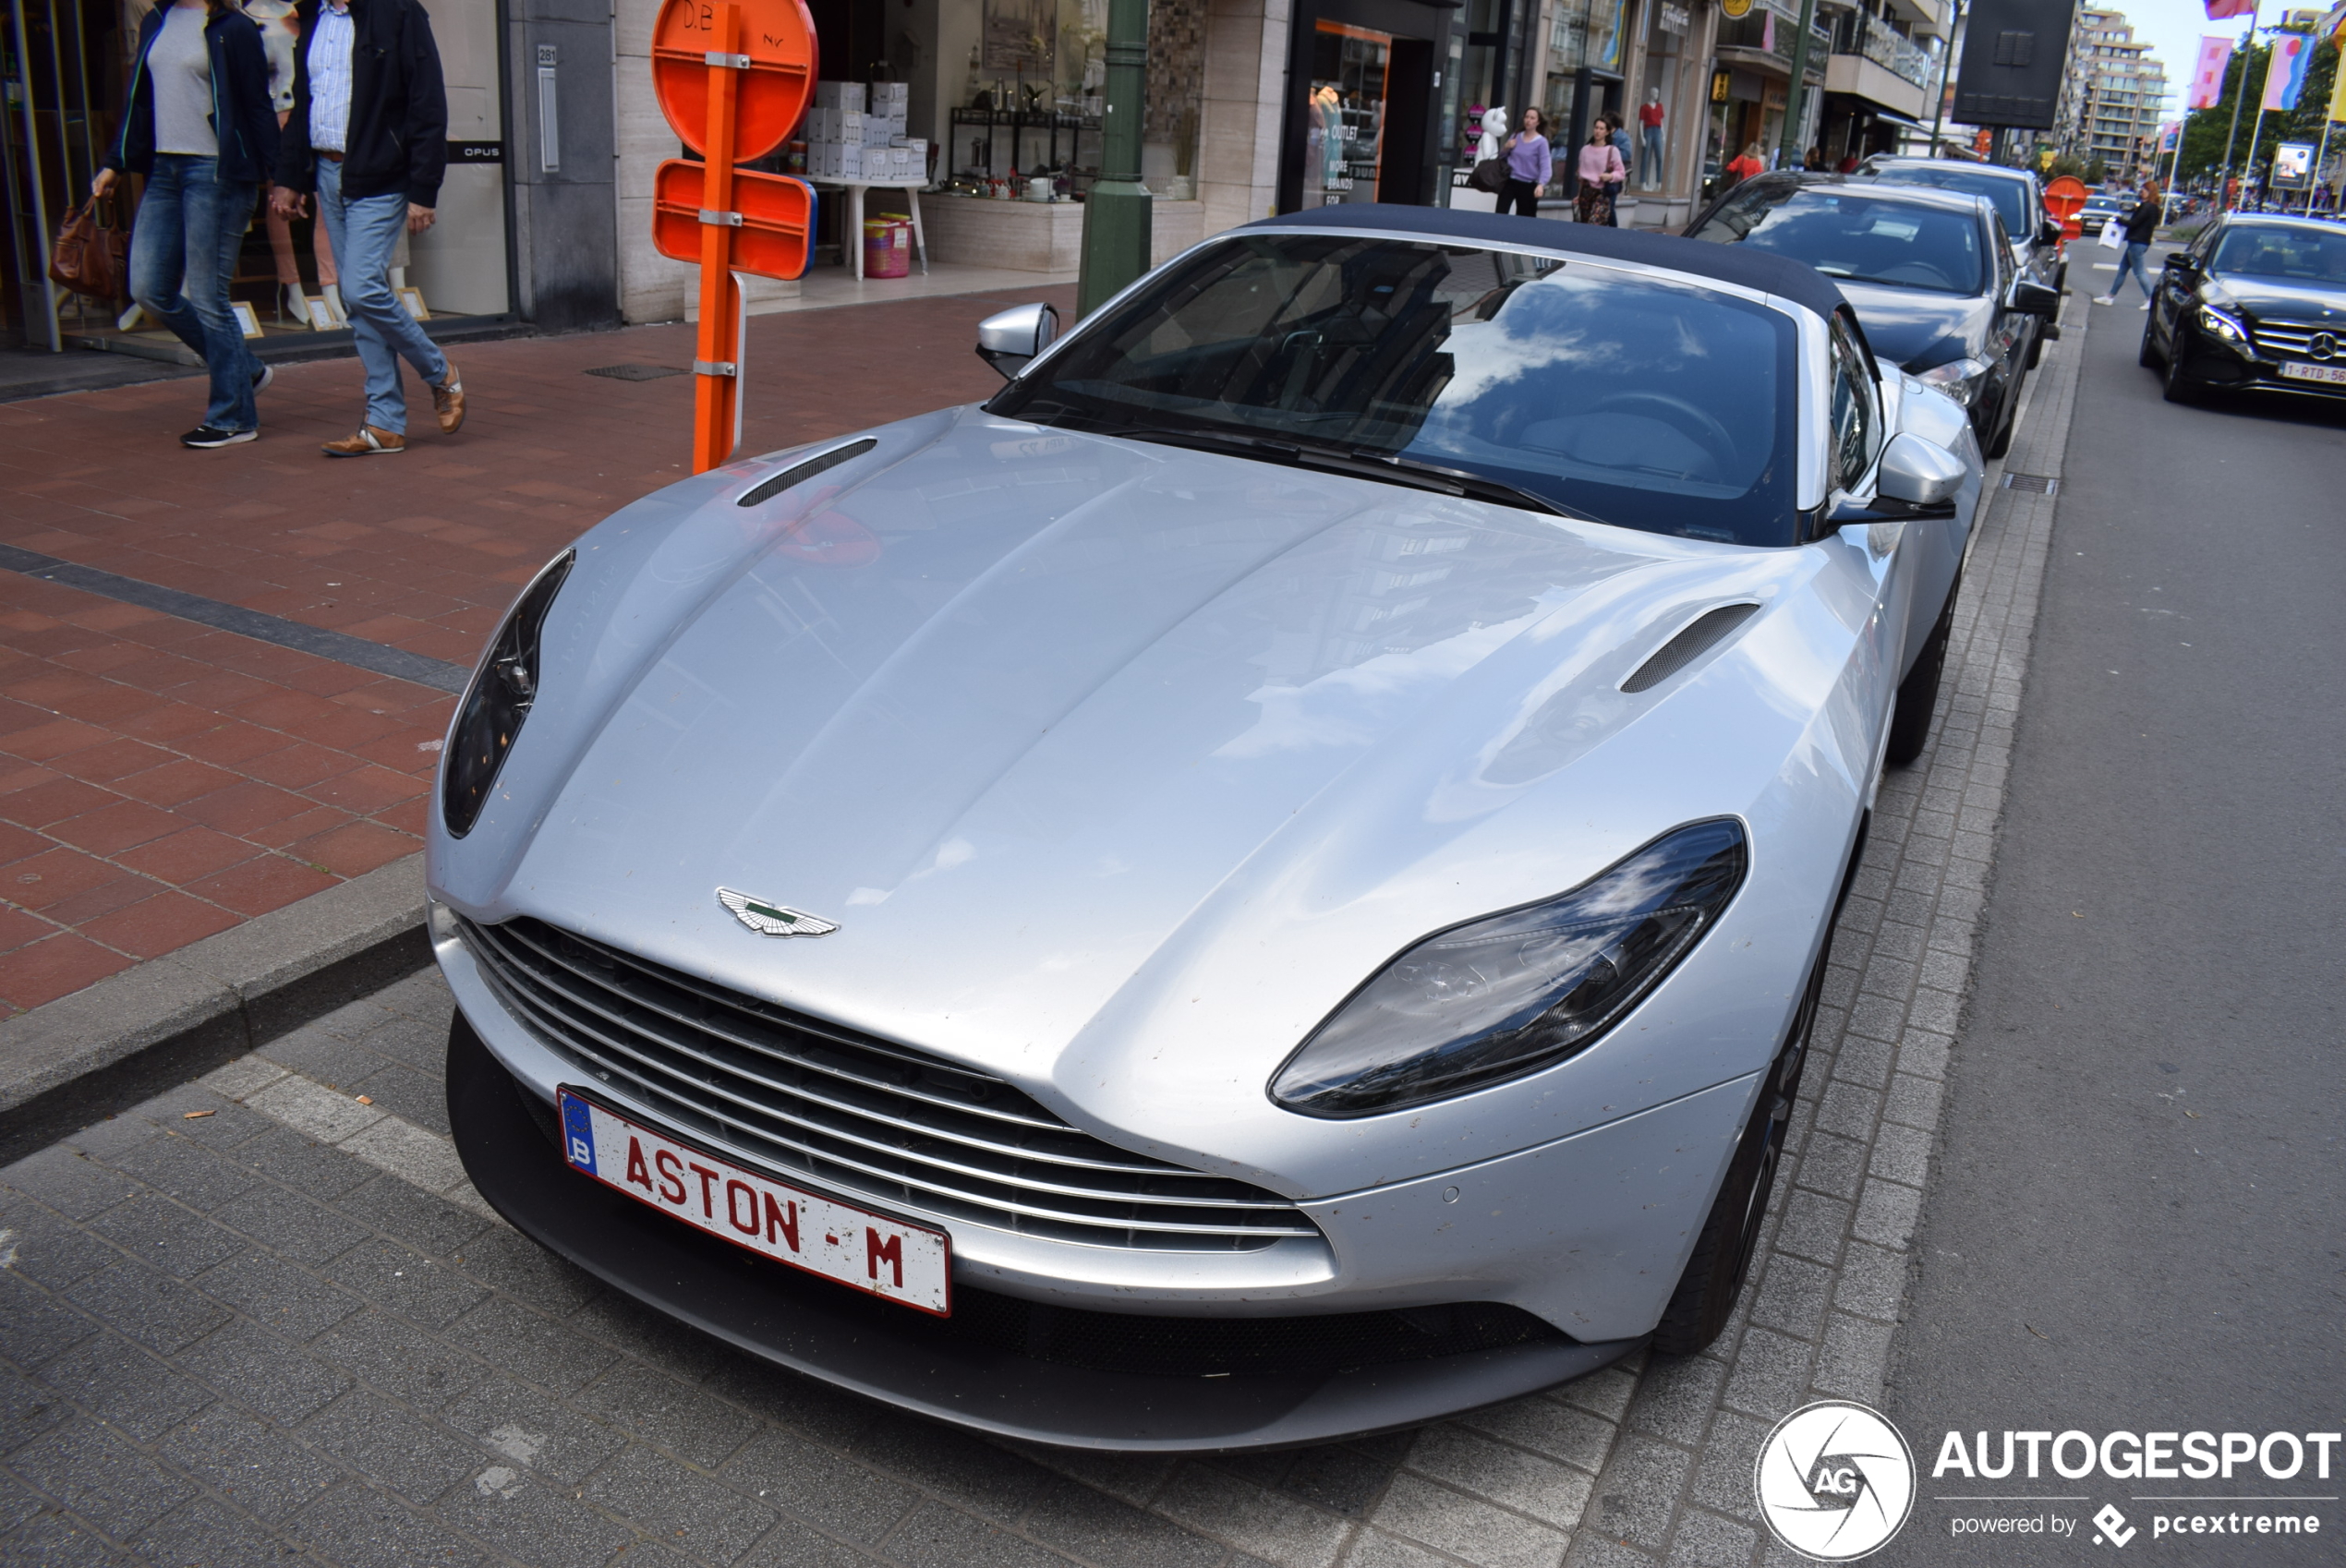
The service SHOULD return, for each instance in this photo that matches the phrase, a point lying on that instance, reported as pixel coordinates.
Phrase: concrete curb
(131, 1035)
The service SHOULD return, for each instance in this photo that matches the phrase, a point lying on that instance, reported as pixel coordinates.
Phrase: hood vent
(800, 473)
(1688, 645)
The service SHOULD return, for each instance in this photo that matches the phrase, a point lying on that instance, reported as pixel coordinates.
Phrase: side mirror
(2050, 234)
(1008, 340)
(1918, 478)
(2181, 262)
(2035, 299)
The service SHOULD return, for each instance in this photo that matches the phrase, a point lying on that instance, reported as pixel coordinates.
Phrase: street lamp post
(1946, 64)
(1116, 212)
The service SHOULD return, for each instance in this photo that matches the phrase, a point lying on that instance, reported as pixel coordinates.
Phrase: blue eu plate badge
(578, 1132)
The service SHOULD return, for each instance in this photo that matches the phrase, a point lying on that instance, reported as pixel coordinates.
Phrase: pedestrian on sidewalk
(2142, 225)
(1530, 162)
(200, 127)
(1617, 137)
(368, 137)
(1600, 167)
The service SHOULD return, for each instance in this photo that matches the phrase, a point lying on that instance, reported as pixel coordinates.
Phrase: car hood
(2275, 299)
(1037, 717)
(1916, 330)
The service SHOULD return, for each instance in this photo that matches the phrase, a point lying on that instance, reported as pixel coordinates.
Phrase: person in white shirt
(367, 135)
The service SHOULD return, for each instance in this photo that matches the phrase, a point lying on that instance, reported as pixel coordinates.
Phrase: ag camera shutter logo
(1835, 1481)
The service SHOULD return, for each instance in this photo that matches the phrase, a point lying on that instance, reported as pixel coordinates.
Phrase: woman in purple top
(1529, 162)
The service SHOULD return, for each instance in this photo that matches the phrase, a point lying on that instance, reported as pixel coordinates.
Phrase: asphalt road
(2135, 1224)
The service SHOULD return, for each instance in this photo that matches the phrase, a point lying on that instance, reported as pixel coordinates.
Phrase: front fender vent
(1710, 627)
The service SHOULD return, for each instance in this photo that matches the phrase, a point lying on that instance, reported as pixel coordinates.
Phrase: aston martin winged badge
(774, 920)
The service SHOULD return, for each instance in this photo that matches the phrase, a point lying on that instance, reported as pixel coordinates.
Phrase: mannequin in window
(1650, 116)
(280, 29)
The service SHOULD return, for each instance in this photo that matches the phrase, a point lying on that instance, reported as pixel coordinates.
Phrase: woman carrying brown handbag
(198, 125)
(1600, 166)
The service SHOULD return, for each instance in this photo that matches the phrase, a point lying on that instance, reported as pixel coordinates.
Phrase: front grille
(859, 1116)
(2294, 340)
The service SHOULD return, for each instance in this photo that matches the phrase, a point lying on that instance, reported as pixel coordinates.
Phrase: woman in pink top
(1600, 166)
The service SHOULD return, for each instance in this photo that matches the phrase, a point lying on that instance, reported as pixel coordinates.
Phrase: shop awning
(1895, 118)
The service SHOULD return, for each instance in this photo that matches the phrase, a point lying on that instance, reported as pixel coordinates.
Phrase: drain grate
(635, 372)
(2035, 484)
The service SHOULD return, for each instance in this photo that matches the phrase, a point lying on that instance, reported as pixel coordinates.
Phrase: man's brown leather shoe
(368, 442)
(448, 402)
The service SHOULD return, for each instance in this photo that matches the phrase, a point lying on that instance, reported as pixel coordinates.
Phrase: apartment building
(2112, 95)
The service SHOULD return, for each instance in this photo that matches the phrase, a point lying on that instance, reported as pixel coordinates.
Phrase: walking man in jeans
(368, 137)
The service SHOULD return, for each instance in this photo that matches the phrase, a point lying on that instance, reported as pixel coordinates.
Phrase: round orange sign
(776, 37)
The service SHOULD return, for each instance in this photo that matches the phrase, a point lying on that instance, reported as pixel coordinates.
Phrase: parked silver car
(1268, 883)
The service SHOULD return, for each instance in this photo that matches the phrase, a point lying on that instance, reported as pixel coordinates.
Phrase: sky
(2173, 29)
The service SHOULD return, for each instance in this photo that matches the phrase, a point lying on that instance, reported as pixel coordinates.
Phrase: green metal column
(1115, 215)
(1796, 108)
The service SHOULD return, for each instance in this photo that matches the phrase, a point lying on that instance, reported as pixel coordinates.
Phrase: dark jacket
(398, 138)
(2142, 223)
(241, 116)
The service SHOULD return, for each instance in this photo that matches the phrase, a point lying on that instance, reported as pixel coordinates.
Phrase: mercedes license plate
(780, 1220)
(2316, 373)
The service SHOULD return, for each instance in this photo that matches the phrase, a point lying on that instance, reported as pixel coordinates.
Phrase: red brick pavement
(160, 780)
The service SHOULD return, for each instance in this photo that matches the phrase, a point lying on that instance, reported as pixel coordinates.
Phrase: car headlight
(1515, 992)
(498, 700)
(2225, 325)
(1960, 380)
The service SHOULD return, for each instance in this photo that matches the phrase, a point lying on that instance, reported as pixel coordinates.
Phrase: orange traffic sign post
(733, 80)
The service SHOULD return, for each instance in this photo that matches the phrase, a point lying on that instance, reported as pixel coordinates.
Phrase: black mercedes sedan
(2257, 301)
(1930, 272)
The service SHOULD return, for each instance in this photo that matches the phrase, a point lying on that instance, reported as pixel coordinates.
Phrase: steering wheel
(1695, 424)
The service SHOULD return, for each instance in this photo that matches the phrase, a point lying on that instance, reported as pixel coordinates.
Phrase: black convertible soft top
(1728, 263)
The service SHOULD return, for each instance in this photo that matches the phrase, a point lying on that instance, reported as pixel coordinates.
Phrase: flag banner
(2167, 135)
(2219, 9)
(2285, 71)
(2207, 75)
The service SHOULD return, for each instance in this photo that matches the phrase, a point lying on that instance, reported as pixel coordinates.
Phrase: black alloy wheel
(2148, 357)
(2179, 387)
(1714, 1277)
(1918, 693)
(1999, 443)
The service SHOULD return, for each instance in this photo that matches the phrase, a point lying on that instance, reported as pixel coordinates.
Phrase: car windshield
(2305, 256)
(1615, 395)
(2010, 196)
(1857, 237)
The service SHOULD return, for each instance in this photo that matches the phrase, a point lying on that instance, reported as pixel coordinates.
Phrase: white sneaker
(2111, 299)
(2144, 306)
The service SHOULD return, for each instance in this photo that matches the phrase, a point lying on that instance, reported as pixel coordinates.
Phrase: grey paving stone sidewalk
(264, 1319)
(1829, 1280)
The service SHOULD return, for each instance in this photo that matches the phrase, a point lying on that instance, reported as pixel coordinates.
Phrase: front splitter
(841, 1338)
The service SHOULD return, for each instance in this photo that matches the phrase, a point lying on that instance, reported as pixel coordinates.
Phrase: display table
(852, 230)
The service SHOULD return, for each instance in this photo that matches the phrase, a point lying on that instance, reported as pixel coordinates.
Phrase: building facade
(2112, 95)
(1254, 107)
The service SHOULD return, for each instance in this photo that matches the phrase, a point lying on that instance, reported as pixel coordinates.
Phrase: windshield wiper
(1329, 458)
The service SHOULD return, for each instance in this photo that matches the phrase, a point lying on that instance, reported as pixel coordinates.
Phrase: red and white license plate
(2296, 372)
(775, 1219)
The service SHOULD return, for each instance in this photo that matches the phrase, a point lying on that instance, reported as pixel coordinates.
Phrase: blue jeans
(364, 234)
(2131, 265)
(183, 251)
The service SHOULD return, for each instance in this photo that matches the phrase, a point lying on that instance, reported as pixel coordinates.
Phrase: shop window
(1343, 157)
(1176, 89)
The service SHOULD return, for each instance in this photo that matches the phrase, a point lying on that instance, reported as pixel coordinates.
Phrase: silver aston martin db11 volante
(1267, 883)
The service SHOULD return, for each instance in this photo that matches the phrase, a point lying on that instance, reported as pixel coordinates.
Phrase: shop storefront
(67, 63)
